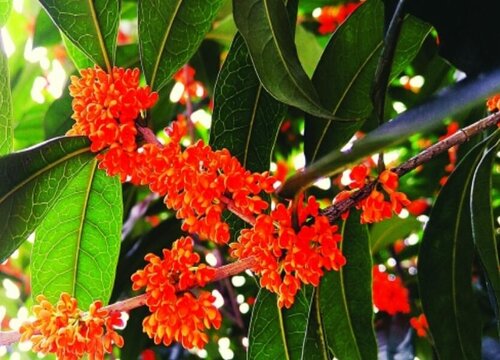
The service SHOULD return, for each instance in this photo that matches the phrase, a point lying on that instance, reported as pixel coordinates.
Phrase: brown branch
(333, 212)
(222, 272)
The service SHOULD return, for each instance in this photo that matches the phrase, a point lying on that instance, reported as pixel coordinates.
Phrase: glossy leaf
(5, 9)
(92, 26)
(170, 32)
(57, 120)
(345, 297)
(445, 267)
(385, 233)
(308, 49)
(265, 26)
(483, 226)
(32, 182)
(6, 117)
(275, 333)
(246, 118)
(46, 32)
(453, 100)
(79, 58)
(77, 244)
(345, 86)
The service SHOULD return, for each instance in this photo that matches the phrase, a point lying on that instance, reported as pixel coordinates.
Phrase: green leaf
(266, 28)
(170, 32)
(91, 25)
(32, 181)
(57, 120)
(453, 100)
(6, 132)
(246, 119)
(79, 58)
(5, 9)
(77, 244)
(308, 49)
(385, 233)
(46, 33)
(345, 297)
(345, 86)
(445, 266)
(483, 226)
(275, 333)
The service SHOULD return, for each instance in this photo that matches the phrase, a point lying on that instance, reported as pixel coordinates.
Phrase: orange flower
(195, 181)
(182, 318)
(419, 323)
(68, 332)
(191, 87)
(389, 294)
(493, 103)
(332, 16)
(375, 207)
(105, 108)
(287, 258)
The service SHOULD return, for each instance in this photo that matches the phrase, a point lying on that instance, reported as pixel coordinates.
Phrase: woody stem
(333, 212)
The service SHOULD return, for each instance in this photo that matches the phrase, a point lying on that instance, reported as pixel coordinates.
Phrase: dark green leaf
(58, 119)
(5, 9)
(32, 181)
(267, 31)
(278, 334)
(445, 267)
(458, 98)
(387, 232)
(246, 118)
(29, 130)
(345, 86)
(77, 244)
(315, 346)
(6, 134)
(46, 33)
(345, 297)
(170, 33)
(91, 25)
(483, 228)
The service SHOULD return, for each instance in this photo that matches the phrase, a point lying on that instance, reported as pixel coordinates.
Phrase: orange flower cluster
(69, 333)
(287, 258)
(180, 317)
(389, 293)
(105, 108)
(192, 88)
(419, 323)
(332, 16)
(375, 207)
(196, 182)
(493, 103)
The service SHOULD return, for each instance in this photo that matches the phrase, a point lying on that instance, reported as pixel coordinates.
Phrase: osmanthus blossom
(291, 244)
(68, 332)
(383, 201)
(389, 293)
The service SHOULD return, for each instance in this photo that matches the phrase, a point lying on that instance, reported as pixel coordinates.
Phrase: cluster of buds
(382, 202)
(389, 293)
(287, 255)
(69, 333)
(177, 314)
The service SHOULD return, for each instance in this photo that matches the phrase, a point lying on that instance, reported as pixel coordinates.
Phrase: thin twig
(335, 211)
(222, 272)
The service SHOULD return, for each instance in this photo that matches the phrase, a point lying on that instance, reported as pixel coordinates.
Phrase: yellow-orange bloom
(376, 207)
(69, 333)
(177, 317)
(286, 258)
